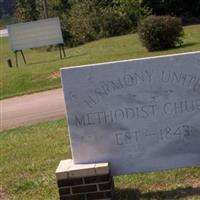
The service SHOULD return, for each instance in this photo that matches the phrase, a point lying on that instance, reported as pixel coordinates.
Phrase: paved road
(30, 109)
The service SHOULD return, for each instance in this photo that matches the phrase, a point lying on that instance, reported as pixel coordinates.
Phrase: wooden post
(62, 51)
(63, 48)
(16, 59)
(23, 56)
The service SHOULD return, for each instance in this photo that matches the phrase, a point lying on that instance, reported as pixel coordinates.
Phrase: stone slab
(102, 168)
(68, 170)
(63, 168)
(138, 115)
(82, 170)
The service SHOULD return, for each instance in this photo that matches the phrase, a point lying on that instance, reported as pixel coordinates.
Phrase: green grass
(30, 155)
(36, 75)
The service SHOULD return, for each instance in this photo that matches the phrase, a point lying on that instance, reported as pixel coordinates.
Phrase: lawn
(30, 155)
(41, 71)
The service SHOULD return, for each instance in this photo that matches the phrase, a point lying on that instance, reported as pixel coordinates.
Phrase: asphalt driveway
(30, 109)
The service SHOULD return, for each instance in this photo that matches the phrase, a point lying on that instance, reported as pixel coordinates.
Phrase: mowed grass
(30, 155)
(40, 72)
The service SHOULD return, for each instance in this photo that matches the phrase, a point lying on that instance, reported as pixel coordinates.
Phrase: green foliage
(26, 10)
(133, 10)
(58, 7)
(90, 20)
(82, 22)
(86, 20)
(112, 23)
(160, 32)
(174, 7)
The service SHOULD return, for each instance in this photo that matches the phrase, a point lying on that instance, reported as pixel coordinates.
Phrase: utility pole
(45, 8)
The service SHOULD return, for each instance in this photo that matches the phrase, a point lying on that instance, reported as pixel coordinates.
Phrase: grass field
(40, 72)
(30, 155)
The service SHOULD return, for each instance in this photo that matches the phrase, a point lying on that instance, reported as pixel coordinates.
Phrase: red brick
(106, 186)
(70, 182)
(73, 197)
(97, 179)
(84, 189)
(64, 191)
(99, 195)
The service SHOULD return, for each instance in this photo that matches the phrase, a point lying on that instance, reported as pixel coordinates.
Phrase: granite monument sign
(140, 115)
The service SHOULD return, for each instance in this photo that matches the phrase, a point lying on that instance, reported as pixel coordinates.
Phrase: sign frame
(35, 34)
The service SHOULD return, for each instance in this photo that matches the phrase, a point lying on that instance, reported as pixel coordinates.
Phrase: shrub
(133, 10)
(160, 32)
(82, 23)
(112, 23)
(87, 20)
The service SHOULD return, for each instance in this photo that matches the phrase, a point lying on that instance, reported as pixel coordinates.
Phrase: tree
(55, 7)
(132, 9)
(26, 10)
(174, 7)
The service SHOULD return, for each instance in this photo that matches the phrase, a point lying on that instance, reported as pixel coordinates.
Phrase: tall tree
(174, 7)
(26, 10)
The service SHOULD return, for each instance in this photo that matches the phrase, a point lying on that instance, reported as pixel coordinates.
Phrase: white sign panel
(140, 115)
(35, 34)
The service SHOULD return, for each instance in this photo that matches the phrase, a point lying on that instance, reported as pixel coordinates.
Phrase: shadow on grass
(184, 45)
(187, 45)
(175, 194)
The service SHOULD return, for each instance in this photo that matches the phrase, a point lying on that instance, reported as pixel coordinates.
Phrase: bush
(81, 23)
(133, 11)
(87, 20)
(160, 32)
(112, 23)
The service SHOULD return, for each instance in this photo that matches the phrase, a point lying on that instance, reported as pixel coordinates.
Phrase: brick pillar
(84, 181)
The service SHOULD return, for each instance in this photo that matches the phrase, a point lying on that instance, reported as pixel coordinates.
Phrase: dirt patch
(3, 195)
(54, 75)
(196, 183)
